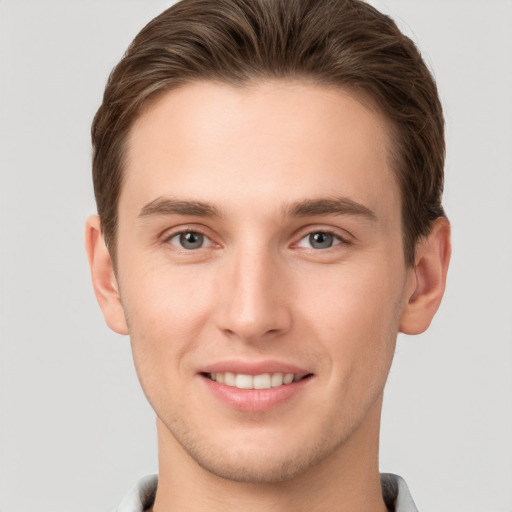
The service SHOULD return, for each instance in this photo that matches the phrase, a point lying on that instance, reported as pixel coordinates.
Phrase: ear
(103, 276)
(427, 280)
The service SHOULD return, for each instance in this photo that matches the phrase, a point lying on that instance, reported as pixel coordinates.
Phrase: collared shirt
(394, 490)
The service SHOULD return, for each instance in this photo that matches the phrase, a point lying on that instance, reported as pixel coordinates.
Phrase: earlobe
(103, 277)
(427, 279)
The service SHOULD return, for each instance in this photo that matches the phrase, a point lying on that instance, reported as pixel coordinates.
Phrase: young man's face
(260, 236)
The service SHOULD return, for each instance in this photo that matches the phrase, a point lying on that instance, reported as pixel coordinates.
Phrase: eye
(190, 240)
(319, 240)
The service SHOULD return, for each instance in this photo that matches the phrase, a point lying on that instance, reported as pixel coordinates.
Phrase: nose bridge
(253, 304)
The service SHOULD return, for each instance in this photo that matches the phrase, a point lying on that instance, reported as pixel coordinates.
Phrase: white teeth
(277, 380)
(262, 381)
(244, 381)
(288, 378)
(229, 379)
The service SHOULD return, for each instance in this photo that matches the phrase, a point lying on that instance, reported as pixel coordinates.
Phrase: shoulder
(396, 493)
(141, 496)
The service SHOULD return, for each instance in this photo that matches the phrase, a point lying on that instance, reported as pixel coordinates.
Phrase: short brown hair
(341, 43)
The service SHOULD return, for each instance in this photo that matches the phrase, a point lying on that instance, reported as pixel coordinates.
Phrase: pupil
(321, 240)
(191, 240)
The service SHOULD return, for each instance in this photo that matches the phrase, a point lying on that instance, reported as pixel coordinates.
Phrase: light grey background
(75, 429)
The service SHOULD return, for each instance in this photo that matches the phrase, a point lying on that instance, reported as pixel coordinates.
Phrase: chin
(258, 455)
(258, 468)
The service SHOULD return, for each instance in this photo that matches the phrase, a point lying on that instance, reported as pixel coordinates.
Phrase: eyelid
(342, 235)
(169, 234)
(336, 240)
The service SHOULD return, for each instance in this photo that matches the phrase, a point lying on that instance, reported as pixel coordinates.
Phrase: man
(268, 177)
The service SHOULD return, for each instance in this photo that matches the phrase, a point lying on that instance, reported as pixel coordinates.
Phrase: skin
(259, 289)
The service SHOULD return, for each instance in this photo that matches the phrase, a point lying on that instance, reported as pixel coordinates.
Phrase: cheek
(355, 299)
(354, 313)
(166, 311)
(165, 296)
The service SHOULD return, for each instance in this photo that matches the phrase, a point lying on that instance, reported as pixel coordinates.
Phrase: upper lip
(253, 367)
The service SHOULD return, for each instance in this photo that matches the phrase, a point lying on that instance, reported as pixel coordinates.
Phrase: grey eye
(319, 240)
(189, 240)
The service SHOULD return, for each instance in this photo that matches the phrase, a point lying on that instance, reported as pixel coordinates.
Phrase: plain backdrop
(75, 429)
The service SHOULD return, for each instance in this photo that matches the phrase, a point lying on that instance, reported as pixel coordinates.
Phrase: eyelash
(196, 231)
(337, 239)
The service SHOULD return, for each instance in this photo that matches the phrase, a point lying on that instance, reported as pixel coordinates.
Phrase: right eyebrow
(167, 206)
(330, 206)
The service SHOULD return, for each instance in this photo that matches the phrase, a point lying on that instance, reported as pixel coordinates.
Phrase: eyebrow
(329, 206)
(167, 206)
(308, 208)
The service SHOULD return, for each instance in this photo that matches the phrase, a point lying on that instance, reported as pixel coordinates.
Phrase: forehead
(267, 143)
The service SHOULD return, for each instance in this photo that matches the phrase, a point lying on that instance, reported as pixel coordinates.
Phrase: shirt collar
(394, 489)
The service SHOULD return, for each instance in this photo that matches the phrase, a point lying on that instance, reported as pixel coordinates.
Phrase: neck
(346, 480)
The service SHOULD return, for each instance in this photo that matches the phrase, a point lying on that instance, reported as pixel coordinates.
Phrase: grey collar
(394, 490)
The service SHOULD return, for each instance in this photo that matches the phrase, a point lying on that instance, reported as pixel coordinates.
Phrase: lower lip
(254, 400)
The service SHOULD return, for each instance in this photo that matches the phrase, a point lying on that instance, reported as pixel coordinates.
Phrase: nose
(253, 299)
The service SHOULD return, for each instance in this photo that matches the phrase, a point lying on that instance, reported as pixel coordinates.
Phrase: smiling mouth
(261, 381)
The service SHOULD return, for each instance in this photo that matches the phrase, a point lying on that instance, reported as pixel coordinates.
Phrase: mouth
(260, 381)
(256, 386)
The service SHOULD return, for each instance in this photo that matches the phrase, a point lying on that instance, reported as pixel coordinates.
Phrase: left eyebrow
(167, 206)
(329, 206)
